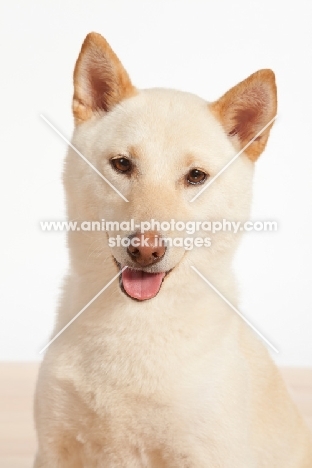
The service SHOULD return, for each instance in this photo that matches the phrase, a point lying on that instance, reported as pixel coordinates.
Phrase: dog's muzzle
(144, 249)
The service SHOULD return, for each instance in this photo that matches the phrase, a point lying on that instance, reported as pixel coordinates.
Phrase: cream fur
(178, 381)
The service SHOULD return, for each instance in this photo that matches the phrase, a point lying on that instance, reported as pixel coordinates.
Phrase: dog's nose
(146, 248)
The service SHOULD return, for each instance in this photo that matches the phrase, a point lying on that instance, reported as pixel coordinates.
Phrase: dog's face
(159, 148)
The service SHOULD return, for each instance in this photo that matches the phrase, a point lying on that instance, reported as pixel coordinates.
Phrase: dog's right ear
(100, 80)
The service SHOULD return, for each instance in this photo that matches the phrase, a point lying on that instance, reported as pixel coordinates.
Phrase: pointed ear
(100, 80)
(245, 109)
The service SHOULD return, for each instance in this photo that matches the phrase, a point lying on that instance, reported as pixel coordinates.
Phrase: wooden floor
(17, 383)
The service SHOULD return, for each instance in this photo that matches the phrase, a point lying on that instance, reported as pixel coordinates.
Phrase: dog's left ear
(246, 109)
(100, 80)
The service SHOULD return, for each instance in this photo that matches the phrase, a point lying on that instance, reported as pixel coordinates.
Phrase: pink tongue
(141, 285)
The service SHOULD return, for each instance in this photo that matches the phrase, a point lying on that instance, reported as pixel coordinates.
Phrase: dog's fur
(177, 381)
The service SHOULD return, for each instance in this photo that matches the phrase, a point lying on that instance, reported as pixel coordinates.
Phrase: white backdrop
(203, 47)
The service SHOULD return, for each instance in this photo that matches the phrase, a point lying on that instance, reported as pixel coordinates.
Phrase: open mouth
(139, 284)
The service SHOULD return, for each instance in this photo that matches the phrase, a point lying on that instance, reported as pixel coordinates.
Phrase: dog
(158, 371)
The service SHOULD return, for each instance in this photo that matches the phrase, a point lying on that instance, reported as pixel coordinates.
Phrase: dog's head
(157, 149)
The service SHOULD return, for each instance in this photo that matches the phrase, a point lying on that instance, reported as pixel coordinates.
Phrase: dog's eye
(121, 165)
(196, 176)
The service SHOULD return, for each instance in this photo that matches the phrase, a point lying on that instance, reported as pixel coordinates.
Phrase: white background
(203, 47)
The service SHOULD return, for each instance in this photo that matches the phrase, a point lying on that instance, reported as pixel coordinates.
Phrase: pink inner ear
(247, 121)
(249, 112)
(100, 88)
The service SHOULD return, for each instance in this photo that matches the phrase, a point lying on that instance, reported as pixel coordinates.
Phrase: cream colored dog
(158, 371)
